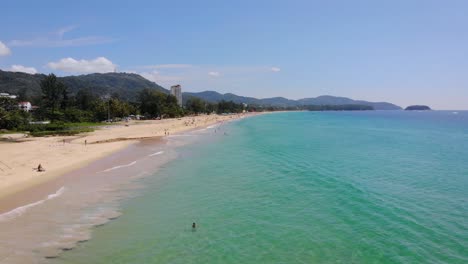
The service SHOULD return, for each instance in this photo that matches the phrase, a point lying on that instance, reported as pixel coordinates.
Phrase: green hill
(214, 97)
(126, 85)
(418, 108)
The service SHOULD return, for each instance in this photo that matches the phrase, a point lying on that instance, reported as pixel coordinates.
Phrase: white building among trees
(176, 90)
(25, 106)
(7, 95)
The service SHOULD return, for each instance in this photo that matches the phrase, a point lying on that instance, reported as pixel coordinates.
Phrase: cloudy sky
(405, 52)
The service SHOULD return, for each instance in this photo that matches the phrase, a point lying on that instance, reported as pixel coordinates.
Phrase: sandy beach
(20, 155)
(90, 180)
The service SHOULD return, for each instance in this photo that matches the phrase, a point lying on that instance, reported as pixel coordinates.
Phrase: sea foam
(156, 153)
(22, 209)
(120, 166)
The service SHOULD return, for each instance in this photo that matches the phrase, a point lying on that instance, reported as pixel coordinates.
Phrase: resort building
(176, 91)
(25, 106)
(7, 95)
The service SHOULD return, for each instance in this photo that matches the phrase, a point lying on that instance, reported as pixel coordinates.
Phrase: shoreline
(60, 156)
(59, 214)
(40, 190)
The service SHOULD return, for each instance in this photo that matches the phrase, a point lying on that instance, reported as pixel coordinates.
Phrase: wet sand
(41, 190)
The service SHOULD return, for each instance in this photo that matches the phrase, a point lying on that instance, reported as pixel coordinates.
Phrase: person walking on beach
(40, 168)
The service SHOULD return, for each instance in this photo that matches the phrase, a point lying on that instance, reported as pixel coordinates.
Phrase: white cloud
(214, 74)
(4, 50)
(152, 76)
(45, 42)
(21, 68)
(61, 31)
(167, 66)
(99, 65)
(57, 39)
(163, 80)
(194, 76)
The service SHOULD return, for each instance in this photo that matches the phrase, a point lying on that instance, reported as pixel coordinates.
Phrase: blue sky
(405, 52)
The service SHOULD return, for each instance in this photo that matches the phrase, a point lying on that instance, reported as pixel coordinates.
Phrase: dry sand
(20, 155)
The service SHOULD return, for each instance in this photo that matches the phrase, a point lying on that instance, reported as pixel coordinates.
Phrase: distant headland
(418, 108)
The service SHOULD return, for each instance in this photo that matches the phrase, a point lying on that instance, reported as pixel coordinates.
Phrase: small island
(418, 107)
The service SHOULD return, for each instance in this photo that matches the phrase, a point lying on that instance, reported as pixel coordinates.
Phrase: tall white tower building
(176, 90)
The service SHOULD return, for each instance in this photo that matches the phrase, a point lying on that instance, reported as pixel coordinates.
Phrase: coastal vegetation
(346, 107)
(61, 110)
(57, 111)
(129, 86)
(281, 102)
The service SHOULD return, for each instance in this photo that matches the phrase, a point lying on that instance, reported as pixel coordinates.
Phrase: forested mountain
(128, 85)
(214, 97)
(19, 82)
(334, 100)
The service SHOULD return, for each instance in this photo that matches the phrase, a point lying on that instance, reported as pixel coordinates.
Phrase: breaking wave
(120, 166)
(156, 153)
(22, 209)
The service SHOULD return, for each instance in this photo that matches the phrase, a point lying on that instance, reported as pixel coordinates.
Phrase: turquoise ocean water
(304, 187)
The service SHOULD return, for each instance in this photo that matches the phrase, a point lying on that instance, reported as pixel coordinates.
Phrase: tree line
(57, 105)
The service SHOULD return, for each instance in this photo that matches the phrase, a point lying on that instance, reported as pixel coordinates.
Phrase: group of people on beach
(193, 122)
(41, 169)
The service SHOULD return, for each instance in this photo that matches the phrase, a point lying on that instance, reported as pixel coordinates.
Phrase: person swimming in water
(194, 225)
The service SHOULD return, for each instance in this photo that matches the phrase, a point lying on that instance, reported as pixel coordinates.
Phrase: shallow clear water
(305, 187)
